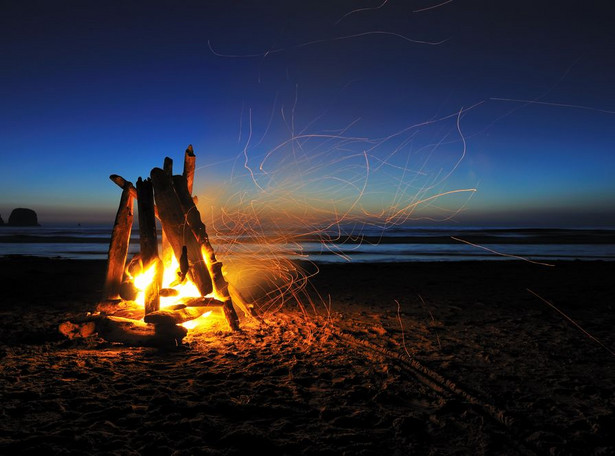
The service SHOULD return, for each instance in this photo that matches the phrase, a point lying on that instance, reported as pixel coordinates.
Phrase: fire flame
(181, 291)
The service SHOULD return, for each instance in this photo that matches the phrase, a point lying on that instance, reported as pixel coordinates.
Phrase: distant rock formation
(1, 221)
(23, 217)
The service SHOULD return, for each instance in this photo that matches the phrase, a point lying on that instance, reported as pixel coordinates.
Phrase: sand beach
(454, 358)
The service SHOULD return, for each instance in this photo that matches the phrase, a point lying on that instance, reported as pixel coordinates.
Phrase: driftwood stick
(201, 302)
(178, 233)
(124, 330)
(148, 240)
(134, 332)
(168, 166)
(168, 292)
(118, 247)
(174, 317)
(152, 292)
(121, 182)
(193, 217)
(189, 166)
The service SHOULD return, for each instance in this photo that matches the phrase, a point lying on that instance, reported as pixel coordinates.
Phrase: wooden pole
(168, 166)
(189, 166)
(193, 218)
(148, 240)
(178, 232)
(121, 183)
(118, 247)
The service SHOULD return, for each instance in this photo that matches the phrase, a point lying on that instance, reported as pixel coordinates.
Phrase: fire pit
(155, 297)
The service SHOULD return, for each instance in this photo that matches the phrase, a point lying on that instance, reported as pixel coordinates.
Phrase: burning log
(152, 292)
(128, 290)
(169, 198)
(125, 331)
(202, 302)
(168, 292)
(137, 333)
(118, 248)
(174, 225)
(174, 317)
(193, 218)
(148, 241)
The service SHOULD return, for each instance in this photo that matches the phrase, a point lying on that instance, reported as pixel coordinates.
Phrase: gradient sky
(91, 88)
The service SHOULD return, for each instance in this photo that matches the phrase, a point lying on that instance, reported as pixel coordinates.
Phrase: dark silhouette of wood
(174, 317)
(178, 232)
(118, 247)
(168, 166)
(121, 183)
(201, 302)
(148, 242)
(189, 166)
(148, 238)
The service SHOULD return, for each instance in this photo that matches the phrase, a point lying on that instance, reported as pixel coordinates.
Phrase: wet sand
(423, 358)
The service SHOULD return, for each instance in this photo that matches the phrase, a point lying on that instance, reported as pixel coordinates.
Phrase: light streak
(572, 321)
(432, 7)
(321, 187)
(360, 10)
(500, 253)
(401, 325)
(558, 105)
(323, 41)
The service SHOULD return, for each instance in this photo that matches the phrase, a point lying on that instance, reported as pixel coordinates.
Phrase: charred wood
(148, 241)
(174, 317)
(202, 302)
(168, 292)
(152, 292)
(125, 331)
(148, 238)
(173, 220)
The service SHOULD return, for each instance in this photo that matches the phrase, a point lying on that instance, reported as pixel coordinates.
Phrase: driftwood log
(201, 302)
(148, 243)
(125, 331)
(193, 218)
(118, 247)
(174, 317)
(189, 167)
(178, 233)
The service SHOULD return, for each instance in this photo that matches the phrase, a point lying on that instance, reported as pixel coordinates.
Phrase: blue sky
(95, 88)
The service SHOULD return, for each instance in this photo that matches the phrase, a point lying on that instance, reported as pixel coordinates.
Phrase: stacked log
(169, 198)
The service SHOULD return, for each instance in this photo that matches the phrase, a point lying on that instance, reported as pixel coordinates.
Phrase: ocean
(363, 244)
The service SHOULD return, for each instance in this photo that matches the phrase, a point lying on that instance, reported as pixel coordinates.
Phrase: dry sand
(469, 363)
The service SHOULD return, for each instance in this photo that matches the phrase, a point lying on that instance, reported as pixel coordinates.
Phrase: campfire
(155, 297)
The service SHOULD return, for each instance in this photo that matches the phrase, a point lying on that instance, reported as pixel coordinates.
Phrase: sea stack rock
(1, 221)
(23, 217)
